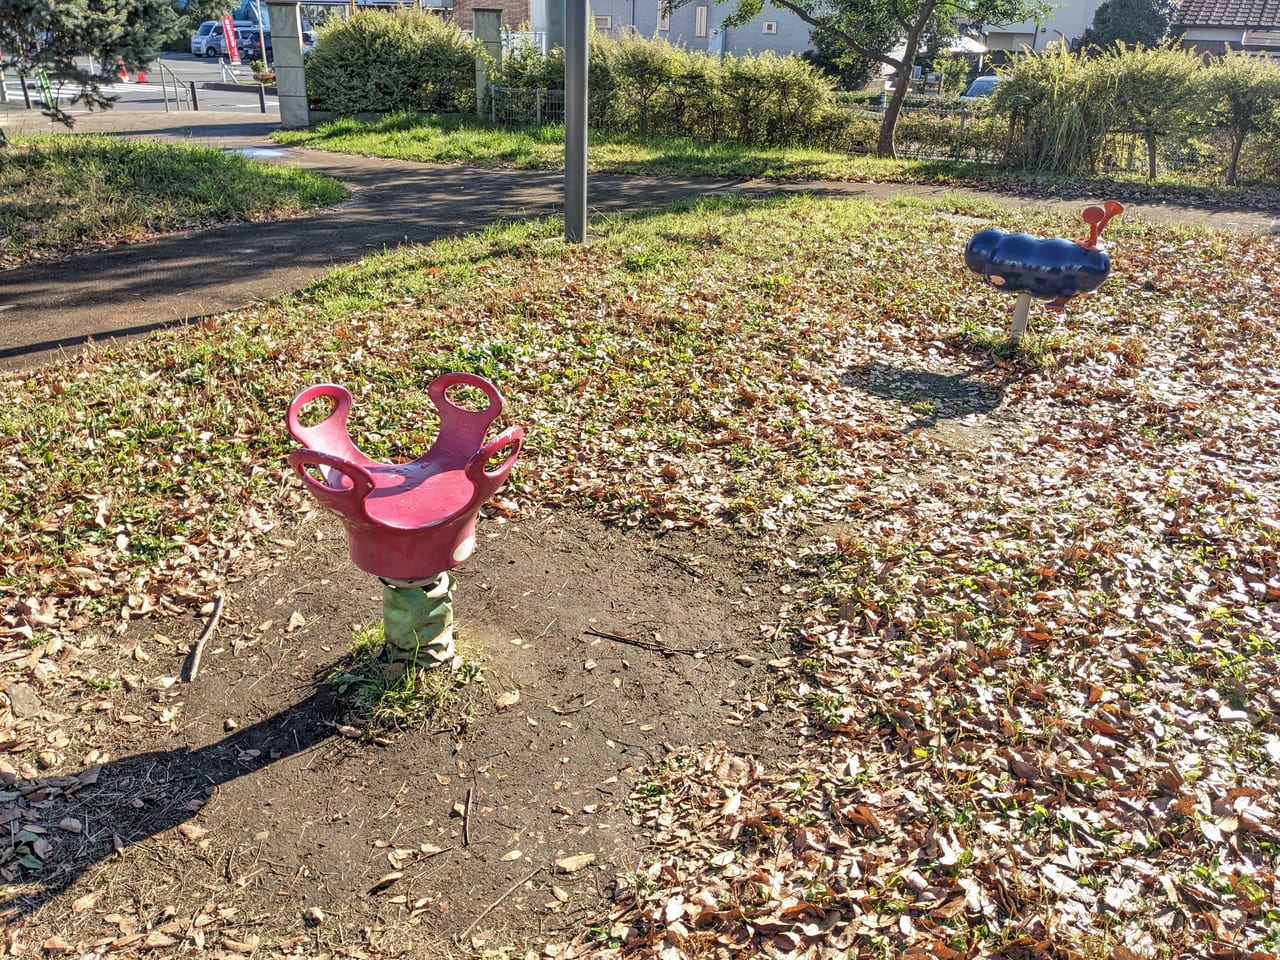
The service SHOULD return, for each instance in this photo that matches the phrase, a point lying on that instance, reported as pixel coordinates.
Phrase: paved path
(51, 307)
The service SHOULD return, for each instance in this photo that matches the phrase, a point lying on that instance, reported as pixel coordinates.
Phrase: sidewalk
(131, 290)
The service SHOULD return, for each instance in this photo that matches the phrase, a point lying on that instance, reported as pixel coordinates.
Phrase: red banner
(229, 40)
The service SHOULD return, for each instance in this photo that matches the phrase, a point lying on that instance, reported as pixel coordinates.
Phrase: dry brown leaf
(508, 699)
(386, 880)
(575, 863)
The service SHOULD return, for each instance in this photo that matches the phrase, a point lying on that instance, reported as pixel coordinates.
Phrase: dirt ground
(241, 813)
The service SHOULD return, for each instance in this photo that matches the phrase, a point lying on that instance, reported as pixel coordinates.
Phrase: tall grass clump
(1057, 107)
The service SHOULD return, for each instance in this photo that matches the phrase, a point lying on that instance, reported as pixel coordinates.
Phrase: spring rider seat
(1051, 269)
(410, 523)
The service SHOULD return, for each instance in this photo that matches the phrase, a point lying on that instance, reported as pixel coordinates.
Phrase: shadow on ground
(926, 397)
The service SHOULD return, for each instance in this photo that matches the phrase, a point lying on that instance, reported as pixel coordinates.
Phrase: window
(770, 28)
(699, 21)
(604, 24)
(664, 17)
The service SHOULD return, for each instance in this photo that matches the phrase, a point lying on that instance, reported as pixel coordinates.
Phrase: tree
(49, 36)
(1132, 22)
(1154, 92)
(872, 29)
(1245, 94)
(832, 56)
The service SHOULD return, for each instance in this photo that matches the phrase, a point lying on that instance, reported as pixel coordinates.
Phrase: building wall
(699, 25)
(1067, 21)
(515, 13)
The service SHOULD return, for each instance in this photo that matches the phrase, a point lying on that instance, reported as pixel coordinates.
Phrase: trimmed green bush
(386, 62)
(649, 87)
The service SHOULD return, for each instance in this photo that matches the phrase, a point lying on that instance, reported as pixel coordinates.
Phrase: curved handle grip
(332, 428)
(359, 479)
(440, 386)
(490, 480)
(461, 430)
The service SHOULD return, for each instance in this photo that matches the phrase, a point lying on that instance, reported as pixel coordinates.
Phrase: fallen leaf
(575, 863)
(386, 880)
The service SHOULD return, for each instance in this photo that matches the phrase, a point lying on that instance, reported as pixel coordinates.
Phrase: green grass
(63, 192)
(386, 698)
(453, 139)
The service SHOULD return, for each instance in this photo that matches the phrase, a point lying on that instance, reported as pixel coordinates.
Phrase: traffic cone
(140, 78)
(121, 72)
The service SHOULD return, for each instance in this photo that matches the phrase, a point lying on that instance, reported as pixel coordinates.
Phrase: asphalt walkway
(52, 307)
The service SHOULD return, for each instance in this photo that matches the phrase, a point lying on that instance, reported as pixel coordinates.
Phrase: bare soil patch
(239, 812)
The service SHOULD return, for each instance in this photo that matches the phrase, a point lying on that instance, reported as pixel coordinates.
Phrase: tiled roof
(1228, 13)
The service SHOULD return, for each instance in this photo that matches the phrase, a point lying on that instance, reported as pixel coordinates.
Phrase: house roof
(1228, 13)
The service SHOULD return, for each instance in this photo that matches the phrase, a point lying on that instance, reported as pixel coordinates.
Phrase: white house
(1063, 24)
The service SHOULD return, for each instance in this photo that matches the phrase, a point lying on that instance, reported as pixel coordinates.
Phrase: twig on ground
(682, 565)
(657, 646)
(505, 893)
(466, 819)
(198, 650)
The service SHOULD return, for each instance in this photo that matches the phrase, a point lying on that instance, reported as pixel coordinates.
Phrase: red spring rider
(409, 523)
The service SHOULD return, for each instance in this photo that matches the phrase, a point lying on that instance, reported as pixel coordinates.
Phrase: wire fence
(525, 107)
(947, 129)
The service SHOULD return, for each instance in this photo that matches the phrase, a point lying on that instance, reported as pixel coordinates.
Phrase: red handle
(512, 437)
(330, 434)
(360, 481)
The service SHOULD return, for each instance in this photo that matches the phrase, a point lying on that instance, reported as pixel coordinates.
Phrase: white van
(207, 40)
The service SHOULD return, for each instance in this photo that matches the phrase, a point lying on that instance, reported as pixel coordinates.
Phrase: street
(151, 95)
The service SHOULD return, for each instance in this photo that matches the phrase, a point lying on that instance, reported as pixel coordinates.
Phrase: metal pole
(195, 101)
(262, 97)
(575, 121)
(1020, 309)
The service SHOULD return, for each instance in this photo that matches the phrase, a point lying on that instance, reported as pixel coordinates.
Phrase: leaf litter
(1031, 601)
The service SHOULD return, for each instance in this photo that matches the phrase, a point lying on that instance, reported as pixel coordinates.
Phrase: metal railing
(183, 91)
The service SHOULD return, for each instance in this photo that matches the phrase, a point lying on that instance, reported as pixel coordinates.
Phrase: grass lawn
(65, 192)
(439, 139)
(1030, 600)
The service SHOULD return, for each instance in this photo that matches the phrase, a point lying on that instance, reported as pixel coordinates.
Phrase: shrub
(1243, 92)
(954, 70)
(649, 87)
(387, 62)
(1154, 93)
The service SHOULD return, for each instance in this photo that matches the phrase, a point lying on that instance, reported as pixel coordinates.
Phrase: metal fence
(523, 107)
(944, 129)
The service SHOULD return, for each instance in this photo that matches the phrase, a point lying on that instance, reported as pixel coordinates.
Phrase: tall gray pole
(575, 121)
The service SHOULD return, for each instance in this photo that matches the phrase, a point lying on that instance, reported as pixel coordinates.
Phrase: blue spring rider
(1051, 269)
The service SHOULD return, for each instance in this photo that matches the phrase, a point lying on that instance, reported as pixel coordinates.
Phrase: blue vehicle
(980, 88)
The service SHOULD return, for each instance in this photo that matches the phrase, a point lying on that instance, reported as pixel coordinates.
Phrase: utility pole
(575, 121)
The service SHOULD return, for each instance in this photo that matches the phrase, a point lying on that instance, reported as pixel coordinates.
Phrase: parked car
(208, 40)
(981, 87)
